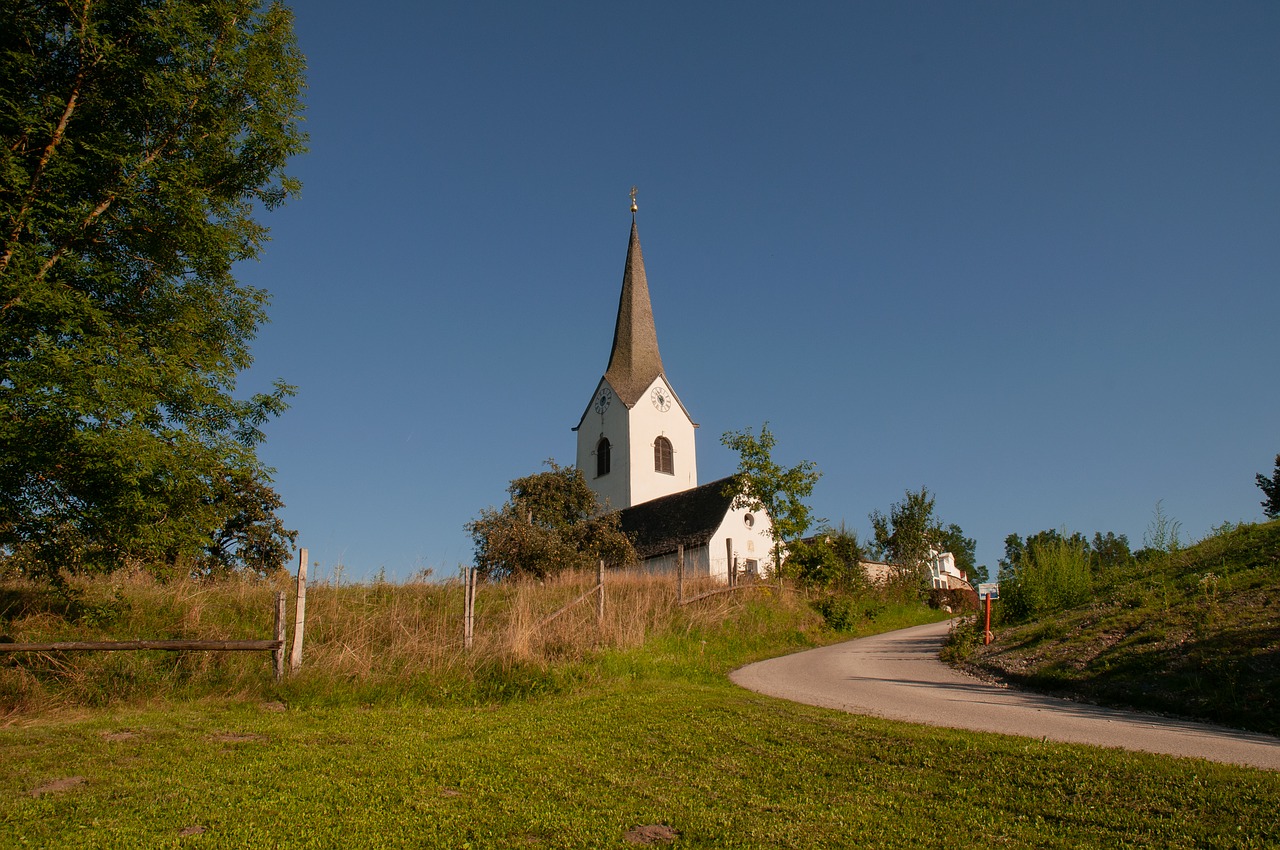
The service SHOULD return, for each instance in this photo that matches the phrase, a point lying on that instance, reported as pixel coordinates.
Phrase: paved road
(898, 675)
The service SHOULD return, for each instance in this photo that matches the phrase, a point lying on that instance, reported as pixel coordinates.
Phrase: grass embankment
(1194, 632)
(377, 642)
(565, 737)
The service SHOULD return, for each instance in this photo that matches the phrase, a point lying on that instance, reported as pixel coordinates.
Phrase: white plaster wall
(749, 543)
(647, 424)
(695, 563)
(754, 543)
(613, 490)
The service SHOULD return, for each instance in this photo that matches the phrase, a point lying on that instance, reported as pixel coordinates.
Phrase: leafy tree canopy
(831, 559)
(910, 533)
(1109, 550)
(551, 523)
(140, 139)
(762, 484)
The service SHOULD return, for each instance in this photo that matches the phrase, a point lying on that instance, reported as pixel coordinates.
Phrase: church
(637, 451)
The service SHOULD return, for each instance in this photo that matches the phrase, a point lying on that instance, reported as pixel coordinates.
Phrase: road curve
(897, 675)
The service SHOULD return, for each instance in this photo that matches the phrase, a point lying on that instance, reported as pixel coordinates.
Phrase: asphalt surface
(898, 676)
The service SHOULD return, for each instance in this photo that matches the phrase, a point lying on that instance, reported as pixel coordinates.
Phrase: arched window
(602, 457)
(662, 458)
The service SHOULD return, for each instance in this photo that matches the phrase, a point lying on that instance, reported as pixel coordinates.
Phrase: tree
(1014, 549)
(252, 536)
(551, 523)
(910, 534)
(1271, 489)
(140, 139)
(761, 484)
(1109, 550)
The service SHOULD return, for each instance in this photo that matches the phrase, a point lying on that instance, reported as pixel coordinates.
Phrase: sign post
(987, 637)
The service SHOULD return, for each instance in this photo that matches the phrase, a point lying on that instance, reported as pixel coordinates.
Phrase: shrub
(1051, 575)
(830, 560)
(844, 613)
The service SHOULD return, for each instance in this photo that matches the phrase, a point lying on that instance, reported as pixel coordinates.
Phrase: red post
(987, 637)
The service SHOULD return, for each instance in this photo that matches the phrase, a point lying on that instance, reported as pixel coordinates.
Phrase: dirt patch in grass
(59, 786)
(654, 833)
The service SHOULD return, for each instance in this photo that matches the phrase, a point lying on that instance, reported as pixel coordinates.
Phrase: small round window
(749, 520)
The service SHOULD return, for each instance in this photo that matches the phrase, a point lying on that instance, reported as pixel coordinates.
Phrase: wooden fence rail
(597, 590)
(275, 646)
(167, 645)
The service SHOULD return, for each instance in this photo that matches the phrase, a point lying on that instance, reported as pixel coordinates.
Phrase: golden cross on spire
(633, 199)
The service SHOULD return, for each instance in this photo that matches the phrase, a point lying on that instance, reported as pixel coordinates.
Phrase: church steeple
(635, 439)
(634, 361)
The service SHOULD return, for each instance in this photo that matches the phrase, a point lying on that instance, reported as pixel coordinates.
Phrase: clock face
(602, 400)
(661, 398)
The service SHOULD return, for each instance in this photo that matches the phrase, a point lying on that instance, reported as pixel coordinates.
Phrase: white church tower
(635, 439)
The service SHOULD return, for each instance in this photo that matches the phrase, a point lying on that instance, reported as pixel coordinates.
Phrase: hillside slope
(1194, 633)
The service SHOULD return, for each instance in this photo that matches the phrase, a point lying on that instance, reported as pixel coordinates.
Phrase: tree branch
(59, 132)
(134, 173)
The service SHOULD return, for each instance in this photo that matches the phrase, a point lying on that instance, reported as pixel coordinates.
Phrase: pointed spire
(634, 361)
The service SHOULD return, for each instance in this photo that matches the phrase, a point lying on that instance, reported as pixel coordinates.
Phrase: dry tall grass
(358, 637)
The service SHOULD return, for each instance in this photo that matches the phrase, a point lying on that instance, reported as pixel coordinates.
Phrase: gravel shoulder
(898, 676)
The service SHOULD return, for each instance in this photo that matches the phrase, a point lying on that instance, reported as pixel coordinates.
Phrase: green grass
(725, 767)
(578, 750)
(1194, 633)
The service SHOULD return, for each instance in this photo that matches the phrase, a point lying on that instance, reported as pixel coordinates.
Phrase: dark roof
(690, 518)
(634, 361)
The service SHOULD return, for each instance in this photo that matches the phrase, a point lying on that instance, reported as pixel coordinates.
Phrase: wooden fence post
(277, 655)
(680, 574)
(728, 561)
(300, 614)
(468, 606)
(600, 591)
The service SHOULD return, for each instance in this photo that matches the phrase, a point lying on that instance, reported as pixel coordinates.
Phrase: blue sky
(1024, 254)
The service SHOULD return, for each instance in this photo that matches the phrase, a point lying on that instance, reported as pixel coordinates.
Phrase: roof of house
(689, 518)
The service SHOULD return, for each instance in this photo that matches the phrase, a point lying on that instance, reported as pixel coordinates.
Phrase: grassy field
(1194, 632)
(573, 737)
(719, 766)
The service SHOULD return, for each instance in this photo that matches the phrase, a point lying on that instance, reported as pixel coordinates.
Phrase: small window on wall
(602, 457)
(662, 456)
